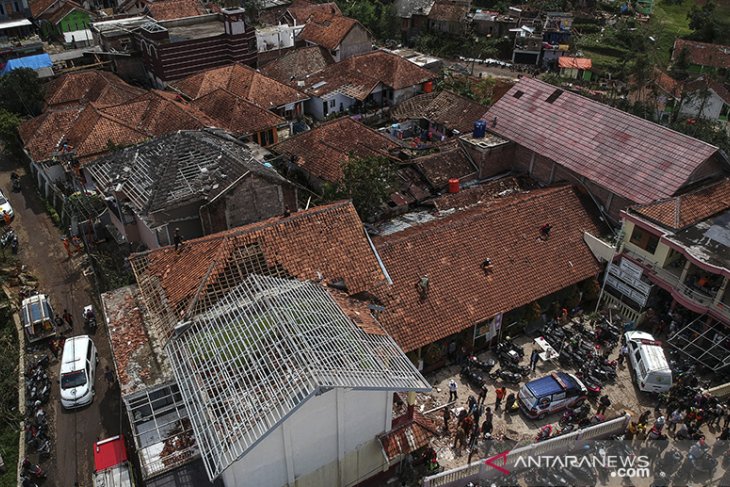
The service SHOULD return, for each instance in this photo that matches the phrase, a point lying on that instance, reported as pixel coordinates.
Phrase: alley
(62, 279)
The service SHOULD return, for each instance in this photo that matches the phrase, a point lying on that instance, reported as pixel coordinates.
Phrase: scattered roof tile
(448, 11)
(450, 252)
(175, 9)
(327, 33)
(449, 162)
(302, 11)
(297, 64)
(358, 75)
(632, 157)
(485, 193)
(408, 435)
(690, 208)
(101, 87)
(235, 113)
(137, 363)
(702, 53)
(322, 151)
(445, 108)
(42, 134)
(566, 62)
(323, 243)
(242, 81)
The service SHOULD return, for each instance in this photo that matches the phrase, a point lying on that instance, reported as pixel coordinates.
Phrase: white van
(78, 368)
(650, 367)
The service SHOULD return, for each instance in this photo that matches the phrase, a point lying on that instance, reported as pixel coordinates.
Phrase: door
(325, 108)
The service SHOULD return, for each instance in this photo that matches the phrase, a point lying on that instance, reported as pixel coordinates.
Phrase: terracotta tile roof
(449, 162)
(235, 114)
(408, 435)
(91, 130)
(137, 363)
(358, 75)
(323, 243)
(242, 81)
(327, 33)
(298, 64)
(450, 251)
(322, 151)
(704, 82)
(37, 7)
(445, 108)
(688, 209)
(566, 62)
(175, 9)
(303, 11)
(42, 134)
(627, 155)
(448, 11)
(56, 16)
(100, 87)
(668, 84)
(702, 53)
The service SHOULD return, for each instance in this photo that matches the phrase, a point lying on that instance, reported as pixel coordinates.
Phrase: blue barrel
(480, 129)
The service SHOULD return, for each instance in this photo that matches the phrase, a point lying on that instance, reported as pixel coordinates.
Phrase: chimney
(411, 402)
(233, 21)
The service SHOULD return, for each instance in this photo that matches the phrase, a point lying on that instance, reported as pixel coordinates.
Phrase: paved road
(61, 278)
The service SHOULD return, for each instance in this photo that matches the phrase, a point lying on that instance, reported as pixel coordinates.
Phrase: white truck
(111, 468)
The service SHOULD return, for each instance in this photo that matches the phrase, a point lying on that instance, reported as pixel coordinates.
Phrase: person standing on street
(500, 392)
(603, 403)
(483, 394)
(534, 357)
(452, 391)
(447, 417)
(68, 318)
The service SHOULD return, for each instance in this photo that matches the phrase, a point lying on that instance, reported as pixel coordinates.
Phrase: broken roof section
(297, 64)
(297, 343)
(688, 209)
(444, 108)
(137, 358)
(324, 150)
(451, 250)
(631, 157)
(409, 434)
(242, 81)
(178, 169)
(325, 243)
(449, 162)
(101, 87)
(357, 76)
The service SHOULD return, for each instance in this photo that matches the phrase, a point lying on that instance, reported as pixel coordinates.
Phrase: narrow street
(61, 278)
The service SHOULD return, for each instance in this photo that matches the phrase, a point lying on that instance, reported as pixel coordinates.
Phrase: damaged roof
(409, 8)
(138, 362)
(445, 108)
(450, 252)
(177, 169)
(323, 150)
(328, 33)
(242, 81)
(408, 435)
(357, 76)
(631, 157)
(325, 243)
(688, 209)
(298, 63)
(450, 162)
(448, 11)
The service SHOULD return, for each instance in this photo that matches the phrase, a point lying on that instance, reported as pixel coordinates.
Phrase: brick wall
(492, 161)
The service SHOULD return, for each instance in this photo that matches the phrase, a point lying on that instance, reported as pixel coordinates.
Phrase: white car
(78, 370)
(5, 206)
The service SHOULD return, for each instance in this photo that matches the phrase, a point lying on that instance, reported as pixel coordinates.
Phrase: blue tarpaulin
(33, 62)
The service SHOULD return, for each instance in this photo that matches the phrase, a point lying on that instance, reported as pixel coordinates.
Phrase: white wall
(313, 106)
(712, 106)
(304, 450)
(277, 37)
(405, 93)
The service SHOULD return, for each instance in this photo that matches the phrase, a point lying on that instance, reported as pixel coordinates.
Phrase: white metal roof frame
(250, 361)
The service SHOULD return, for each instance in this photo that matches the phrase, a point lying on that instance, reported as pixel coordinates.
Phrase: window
(16, 6)
(558, 396)
(644, 240)
(2, 9)
(332, 103)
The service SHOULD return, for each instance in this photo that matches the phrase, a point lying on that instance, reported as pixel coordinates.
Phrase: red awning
(109, 453)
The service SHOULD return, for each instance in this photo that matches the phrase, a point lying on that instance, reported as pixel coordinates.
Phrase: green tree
(703, 21)
(21, 92)
(9, 123)
(368, 182)
(388, 22)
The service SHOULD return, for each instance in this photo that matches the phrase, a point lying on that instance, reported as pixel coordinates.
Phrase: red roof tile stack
(450, 252)
(631, 157)
(690, 208)
(323, 151)
(242, 81)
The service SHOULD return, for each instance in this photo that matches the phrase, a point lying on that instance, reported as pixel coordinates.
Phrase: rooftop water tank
(480, 129)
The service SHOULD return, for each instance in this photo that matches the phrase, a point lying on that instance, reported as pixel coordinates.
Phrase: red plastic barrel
(453, 185)
(428, 86)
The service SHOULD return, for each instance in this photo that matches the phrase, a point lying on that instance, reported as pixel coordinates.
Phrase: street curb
(21, 391)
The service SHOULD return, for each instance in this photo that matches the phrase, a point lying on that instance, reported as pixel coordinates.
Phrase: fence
(626, 311)
(480, 471)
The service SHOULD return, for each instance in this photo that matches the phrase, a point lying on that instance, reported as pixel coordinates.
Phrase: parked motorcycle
(33, 470)
(506, 376)
(486, 366)
(472, 377)
(89, 318)
(15, 181)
